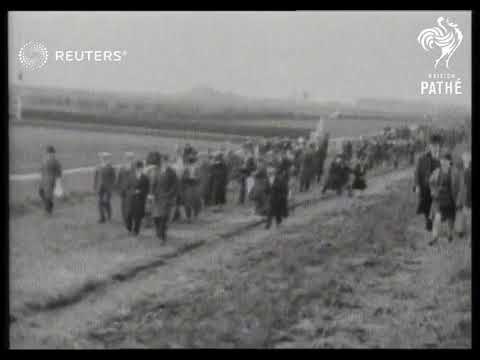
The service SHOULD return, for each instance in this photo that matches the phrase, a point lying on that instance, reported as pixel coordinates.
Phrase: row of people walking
(266, 172)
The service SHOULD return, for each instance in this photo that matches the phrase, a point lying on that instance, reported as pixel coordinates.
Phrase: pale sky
(332, 55)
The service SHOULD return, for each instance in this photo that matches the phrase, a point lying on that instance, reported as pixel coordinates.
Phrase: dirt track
(339, 273)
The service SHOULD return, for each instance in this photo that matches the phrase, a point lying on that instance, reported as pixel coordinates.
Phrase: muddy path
(343, 272)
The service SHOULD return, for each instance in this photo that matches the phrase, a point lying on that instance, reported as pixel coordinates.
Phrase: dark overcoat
(164, 188)
(277, 194)
(425, 166)
(219, 173)
(136, 194)
(104, 179)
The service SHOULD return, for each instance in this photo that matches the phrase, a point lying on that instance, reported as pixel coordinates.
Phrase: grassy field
(253, 126)
(79, 147)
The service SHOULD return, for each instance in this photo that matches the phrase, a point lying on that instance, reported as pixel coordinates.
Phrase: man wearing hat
(50, 171)
(103, 184)
(125, 171)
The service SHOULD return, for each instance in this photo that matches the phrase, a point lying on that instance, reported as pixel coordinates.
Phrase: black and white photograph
(239, 179)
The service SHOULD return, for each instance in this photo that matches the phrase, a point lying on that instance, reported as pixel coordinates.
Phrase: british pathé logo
(33, 55)
(443, 40)
(446, 36)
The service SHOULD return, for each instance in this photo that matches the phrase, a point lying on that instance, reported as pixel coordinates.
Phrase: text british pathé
(441, 84)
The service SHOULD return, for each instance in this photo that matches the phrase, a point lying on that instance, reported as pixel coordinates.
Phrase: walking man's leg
(158, 227)
(129, 222)
(188, 212)
(108, 205)
(269, 218)
(161, 224)
(243, 189)
(101, 206)
(49, 206)
(124, 209)
(137, 221)
(278, 218)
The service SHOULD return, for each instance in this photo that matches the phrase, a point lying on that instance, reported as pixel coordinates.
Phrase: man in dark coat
(136, 191)
(219, 173)
(338, 175)
(205, 179)
(307, 164)
(284, 169)
(50, 171)
(359, 174)
(164, 189)
(277, 194)
(320, 156)
(103, 184)
(426, 164)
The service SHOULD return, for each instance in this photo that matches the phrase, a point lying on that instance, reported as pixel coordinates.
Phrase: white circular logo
(33, 55)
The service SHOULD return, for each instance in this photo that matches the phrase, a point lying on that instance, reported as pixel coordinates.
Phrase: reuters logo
(33, 55)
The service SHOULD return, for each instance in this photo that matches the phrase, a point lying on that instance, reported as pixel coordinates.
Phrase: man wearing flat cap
(104, 182)
(50, 171)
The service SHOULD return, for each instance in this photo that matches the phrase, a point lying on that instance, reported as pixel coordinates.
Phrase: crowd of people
(268, 173)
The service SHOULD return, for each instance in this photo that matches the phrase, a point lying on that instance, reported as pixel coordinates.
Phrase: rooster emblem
(447, 38)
